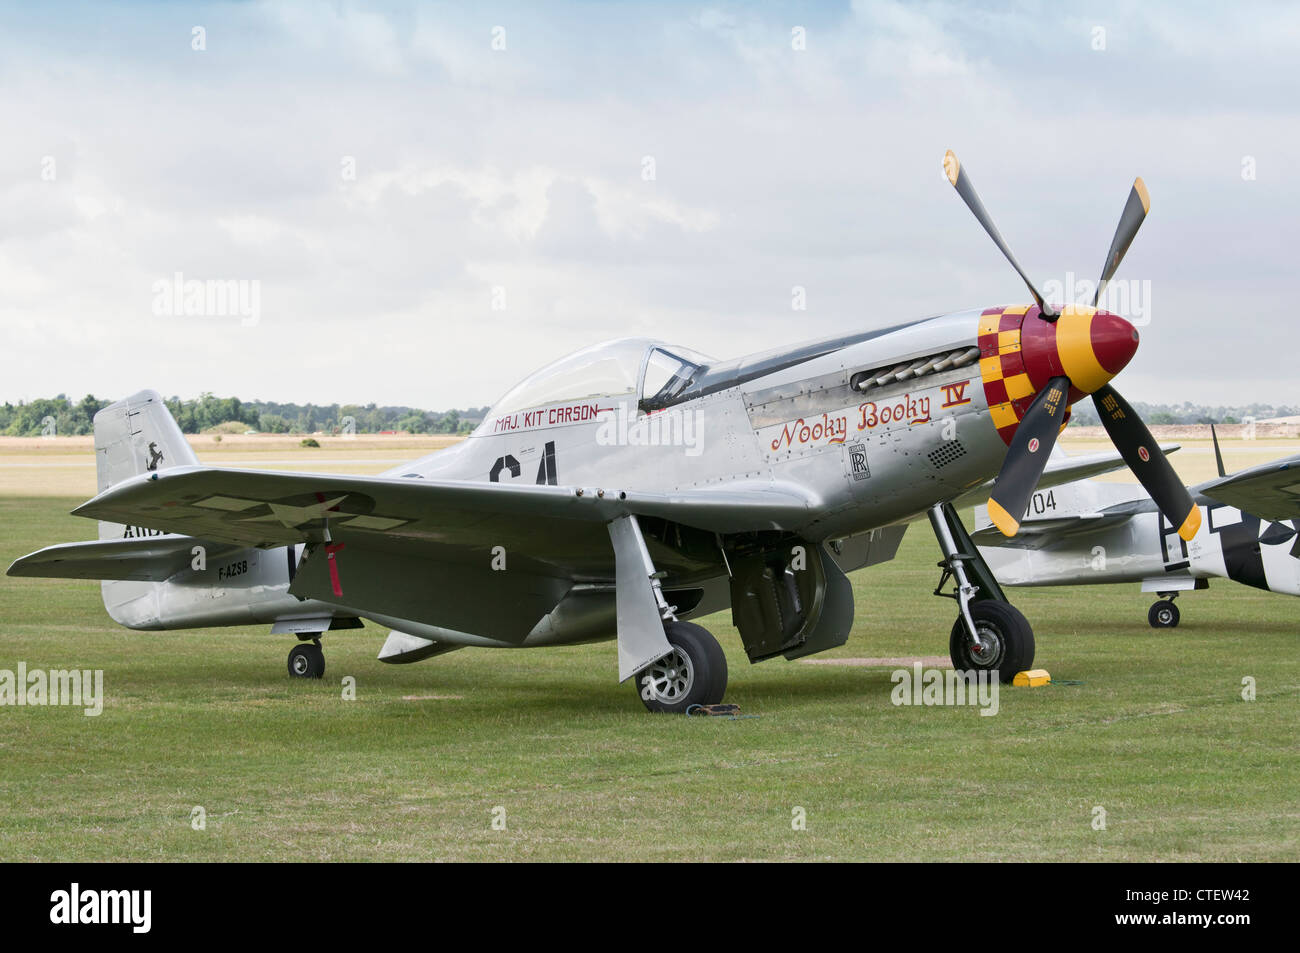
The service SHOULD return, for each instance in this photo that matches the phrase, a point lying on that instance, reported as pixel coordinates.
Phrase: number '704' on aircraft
(633, 486)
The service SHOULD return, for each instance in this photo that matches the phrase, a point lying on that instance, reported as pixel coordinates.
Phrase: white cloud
(522, 169)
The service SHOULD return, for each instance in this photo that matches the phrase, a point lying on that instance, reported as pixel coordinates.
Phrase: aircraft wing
(1037, 533)
(1069, 469)
(259, 508)
(1270, 490)
(1063, 469)
(150, 559)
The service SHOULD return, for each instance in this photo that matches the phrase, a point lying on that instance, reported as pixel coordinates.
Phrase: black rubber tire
(306, 661)
(708, 681)
(1014, 650)
(1163, 614)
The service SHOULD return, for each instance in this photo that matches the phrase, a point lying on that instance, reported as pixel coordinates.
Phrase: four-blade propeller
(1077, 340)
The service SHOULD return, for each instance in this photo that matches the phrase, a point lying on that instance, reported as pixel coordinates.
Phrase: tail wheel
(306, 661)
(1163, 614)
(693, 673)
(1006, 640)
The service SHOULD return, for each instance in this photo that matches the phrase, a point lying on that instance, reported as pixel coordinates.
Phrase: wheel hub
(670, 678)
(987, 651)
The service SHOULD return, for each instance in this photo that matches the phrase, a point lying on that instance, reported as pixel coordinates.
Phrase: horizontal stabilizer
(149, 559)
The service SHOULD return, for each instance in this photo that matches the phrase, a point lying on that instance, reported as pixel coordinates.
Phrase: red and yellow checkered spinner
(1020, 354)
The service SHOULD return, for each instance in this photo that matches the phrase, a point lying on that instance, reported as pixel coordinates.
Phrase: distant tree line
(60, 415)
(207, 411)
(1084, 414)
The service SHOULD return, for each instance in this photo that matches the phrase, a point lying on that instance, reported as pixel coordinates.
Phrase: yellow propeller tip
(1007, 524)
(1191, 525)
(1140, 188)
(951, 167)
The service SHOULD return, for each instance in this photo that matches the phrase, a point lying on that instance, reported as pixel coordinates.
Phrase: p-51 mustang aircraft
(633, 486)
(1088, 533)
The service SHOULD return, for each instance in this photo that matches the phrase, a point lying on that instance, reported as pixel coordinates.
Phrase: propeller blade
(962, 183)
(1130, 220)
(1138, 448)
(1027, 455)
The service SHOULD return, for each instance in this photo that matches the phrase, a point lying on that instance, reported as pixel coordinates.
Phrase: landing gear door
(790, 600)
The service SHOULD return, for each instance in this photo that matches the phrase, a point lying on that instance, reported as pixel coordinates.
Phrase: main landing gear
(1004, 642)
(1164, 614)
(990, 633)
(693, 673)
(694, 669)
(307, 659)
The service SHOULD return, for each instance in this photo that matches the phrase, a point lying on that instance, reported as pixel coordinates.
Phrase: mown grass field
(1158, 735)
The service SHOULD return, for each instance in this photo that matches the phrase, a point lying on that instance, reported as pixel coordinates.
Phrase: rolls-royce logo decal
(858, 461)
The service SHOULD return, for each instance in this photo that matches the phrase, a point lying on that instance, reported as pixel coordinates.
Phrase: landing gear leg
(693, 670)
(1164, 614)
(990, 633)
(307, 660)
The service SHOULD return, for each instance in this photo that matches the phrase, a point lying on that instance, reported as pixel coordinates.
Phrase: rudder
(132, 436)
(136, 435)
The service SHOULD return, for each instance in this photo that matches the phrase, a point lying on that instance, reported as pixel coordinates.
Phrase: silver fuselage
(867, 460)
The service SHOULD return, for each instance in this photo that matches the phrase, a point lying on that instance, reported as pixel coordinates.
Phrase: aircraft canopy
(612, 369)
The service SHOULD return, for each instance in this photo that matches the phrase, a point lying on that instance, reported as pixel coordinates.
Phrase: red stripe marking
(330, 550)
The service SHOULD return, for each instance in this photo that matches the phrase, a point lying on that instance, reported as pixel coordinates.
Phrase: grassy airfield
(1158, 734)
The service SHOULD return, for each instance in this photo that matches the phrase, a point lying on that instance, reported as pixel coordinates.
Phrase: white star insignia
(295, 516)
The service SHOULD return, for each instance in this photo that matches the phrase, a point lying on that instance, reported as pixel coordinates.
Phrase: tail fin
(135, 435)
(132, 436)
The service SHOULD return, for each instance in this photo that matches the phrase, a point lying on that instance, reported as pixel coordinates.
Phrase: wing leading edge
(252, 508)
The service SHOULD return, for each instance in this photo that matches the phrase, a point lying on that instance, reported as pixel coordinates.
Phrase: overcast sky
(428, 217)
